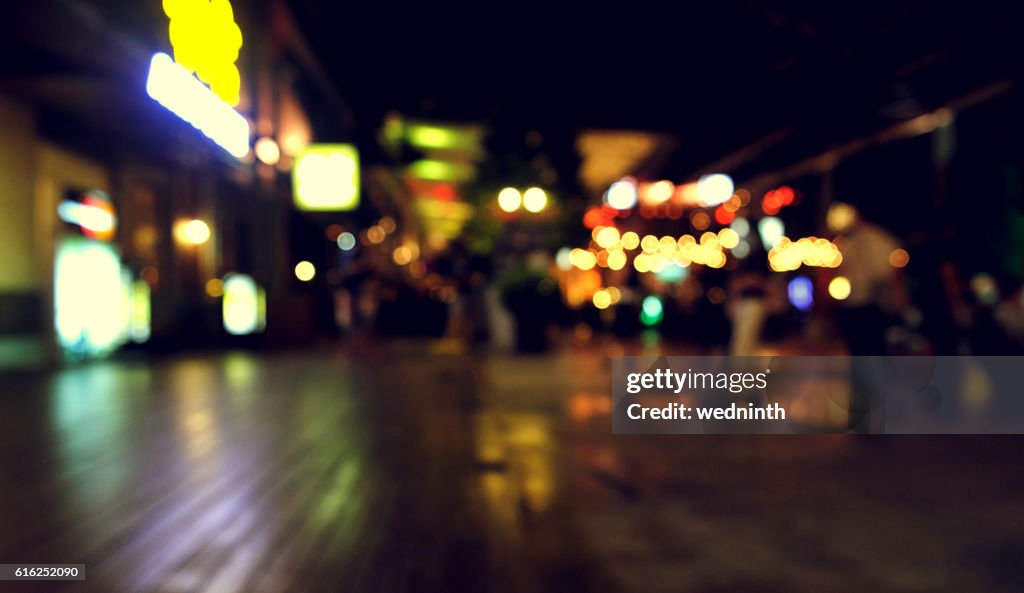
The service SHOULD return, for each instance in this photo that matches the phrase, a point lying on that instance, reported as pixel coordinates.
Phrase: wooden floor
(241, 474)
(421, 472)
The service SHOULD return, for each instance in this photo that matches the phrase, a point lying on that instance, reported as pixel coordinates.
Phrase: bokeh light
(840, 217)
(985, 288)
(583, 259)
(387, 224)
(267, 151)
(741, 250)
(402, 255)
(714, 189)
(375, 234)
(728, 238)
(617, 260)
(333, 231)
(535, 199)
(214, 288)
(673, 272)
(899, 258)
(240, 310)
(651, 311)
(660, 192)
(789, 255)
(192, 232)
(801, 293)
(839, 288)
(700, 220)
(602, 300)
(621, 195)
(346, 241)
(630, 240)
(305, 271)
(741, 226)
(771, 230)
(509, 199)
(563, 259)
(606, 236)
(642, 263)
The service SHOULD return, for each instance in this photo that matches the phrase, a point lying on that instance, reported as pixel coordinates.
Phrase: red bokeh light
(723, 216)
(596, 217)
(785, 195)
(771, 203)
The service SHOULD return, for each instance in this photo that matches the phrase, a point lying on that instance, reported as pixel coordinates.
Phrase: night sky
(718, 76)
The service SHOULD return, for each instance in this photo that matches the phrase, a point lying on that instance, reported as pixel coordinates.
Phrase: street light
(267, 151)
(305, 271)
(534, 200)
(621, 195)
(192, 232)
(346, 241)
(509, 199)
(714, 189)
(839, 288)
(771, 230)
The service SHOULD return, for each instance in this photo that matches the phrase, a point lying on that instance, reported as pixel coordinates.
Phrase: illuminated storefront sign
(89, 297)
(326, 177)
(201, 83)
(441, 218)
(244, 305)
(175, 88)
(444, 137)
(438, 170)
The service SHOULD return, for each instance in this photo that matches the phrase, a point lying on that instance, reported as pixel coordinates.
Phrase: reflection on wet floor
(459, 472)
(189, 476)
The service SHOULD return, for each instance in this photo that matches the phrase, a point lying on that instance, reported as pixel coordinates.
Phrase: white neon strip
(176, 89)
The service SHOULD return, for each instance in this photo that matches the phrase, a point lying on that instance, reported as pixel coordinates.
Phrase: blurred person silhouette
(470, 273)
(877, 296)
(481, 270)
(877, 289)
(746, 306)
(939, 293)
(454, 266)
(1009, 315)
(991, 330)
(531, 295)
(362, 284)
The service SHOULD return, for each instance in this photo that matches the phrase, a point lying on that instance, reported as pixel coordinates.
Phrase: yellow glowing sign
(440, 137)
(206, 41)
(326, 177)
(443, 218)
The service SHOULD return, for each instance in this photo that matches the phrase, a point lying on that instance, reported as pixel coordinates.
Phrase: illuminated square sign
(326, 177)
